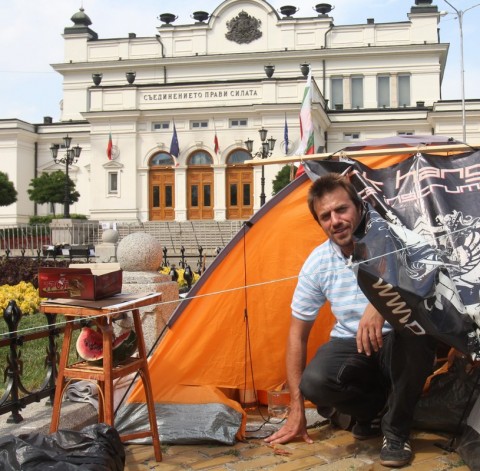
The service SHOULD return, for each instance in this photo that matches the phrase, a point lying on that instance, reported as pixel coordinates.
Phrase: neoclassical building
(215, 83)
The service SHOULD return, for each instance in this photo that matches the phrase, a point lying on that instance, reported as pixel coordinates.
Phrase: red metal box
(79, 283)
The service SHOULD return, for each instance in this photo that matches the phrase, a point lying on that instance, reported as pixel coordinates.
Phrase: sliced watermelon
(90, 344)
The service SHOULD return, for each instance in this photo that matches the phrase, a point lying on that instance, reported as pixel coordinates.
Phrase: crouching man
(366, 370)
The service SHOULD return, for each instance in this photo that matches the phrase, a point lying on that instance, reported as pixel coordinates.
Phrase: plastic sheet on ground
(182, 423)
(95, 448)
(259, 427)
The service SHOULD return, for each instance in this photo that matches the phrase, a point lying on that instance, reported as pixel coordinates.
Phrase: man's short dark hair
(328, 183)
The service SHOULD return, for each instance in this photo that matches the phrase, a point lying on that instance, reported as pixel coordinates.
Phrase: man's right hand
(296, 426)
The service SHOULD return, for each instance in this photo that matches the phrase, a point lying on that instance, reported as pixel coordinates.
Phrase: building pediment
(53, 167)
(112, 165)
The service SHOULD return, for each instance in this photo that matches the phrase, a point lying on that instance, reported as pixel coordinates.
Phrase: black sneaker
(366, 430)
(363, 430)
(395, 453)
(337, 419)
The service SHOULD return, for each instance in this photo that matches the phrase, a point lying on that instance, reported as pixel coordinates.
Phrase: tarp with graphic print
(417, 254)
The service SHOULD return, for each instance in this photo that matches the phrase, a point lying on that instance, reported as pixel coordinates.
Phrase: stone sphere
(110, 236)
(139, 252)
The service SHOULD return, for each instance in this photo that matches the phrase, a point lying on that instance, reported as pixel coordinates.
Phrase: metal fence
(15, 394)
(187, 238)
(183, 244)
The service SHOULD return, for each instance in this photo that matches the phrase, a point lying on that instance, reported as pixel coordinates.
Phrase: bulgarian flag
(307, 141)
(109, 146)
(216, 145)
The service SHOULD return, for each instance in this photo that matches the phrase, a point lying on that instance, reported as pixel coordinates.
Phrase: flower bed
(24, 294)
(182, 283)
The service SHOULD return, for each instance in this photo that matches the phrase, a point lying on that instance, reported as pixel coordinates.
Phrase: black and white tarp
(417, 251)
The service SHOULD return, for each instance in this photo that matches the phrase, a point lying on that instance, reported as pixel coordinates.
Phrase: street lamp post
(71, 157)
(460, 14)
(265, 151)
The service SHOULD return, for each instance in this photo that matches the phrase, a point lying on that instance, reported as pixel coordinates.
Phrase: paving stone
(265, 461)
(216, 450)
(186, 458)
(307, 462)
(453, 459)
(258, 450)
(347, 464)
(217, 461)
(138, 453)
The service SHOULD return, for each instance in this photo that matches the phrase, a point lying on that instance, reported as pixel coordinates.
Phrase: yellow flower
(24, 294)
(181, 280)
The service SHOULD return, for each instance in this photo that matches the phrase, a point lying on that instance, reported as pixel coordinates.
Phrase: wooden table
(101, 313)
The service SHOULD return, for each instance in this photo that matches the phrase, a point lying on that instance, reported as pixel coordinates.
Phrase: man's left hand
(369, 335)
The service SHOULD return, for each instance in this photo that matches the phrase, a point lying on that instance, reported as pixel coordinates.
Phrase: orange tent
(230, 334)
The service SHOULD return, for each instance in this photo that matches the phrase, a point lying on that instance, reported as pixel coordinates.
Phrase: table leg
(57, 402)
(106, 327)
(147, 386)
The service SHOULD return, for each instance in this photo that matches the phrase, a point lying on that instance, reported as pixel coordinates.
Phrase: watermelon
(90, 346)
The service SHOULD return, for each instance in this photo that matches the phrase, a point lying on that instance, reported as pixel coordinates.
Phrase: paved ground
(37, 416)
(332, 450)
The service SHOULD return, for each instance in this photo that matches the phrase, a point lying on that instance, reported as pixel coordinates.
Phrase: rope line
(232, 290)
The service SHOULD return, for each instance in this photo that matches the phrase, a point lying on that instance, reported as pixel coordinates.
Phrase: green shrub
(34, 220)
(48, 219)
(15, 270)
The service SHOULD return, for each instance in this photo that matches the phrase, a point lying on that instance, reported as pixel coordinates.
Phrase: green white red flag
(307, 141)
(109, 147)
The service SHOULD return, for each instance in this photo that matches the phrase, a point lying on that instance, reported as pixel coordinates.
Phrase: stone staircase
(210, 235)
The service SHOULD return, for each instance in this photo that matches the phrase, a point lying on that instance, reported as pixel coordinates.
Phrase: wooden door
(162, 194)
(199, 193)
(239, 192)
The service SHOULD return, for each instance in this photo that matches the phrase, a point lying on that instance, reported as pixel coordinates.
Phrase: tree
(50, 188)
(8, 194)
(283, 178)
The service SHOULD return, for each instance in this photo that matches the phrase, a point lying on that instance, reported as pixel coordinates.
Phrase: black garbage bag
(469, 443)
(95, 448)
(445, 406)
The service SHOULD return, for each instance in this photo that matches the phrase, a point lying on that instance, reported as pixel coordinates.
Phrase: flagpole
(430, 149)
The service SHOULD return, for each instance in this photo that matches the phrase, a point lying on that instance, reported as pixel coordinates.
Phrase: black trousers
(362, 386)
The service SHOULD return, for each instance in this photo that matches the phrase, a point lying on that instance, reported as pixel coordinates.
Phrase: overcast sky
(31, 40)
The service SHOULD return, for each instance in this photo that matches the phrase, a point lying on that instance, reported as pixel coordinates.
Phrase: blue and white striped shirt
(325, 276)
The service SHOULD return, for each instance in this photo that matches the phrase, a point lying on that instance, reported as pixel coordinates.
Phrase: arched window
(162, 159)
(200, 158)
(238, 157)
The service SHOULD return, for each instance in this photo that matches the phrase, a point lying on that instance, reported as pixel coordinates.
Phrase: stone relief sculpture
(243, 28)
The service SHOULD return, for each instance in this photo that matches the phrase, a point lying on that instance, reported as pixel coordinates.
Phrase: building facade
(212, 85)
